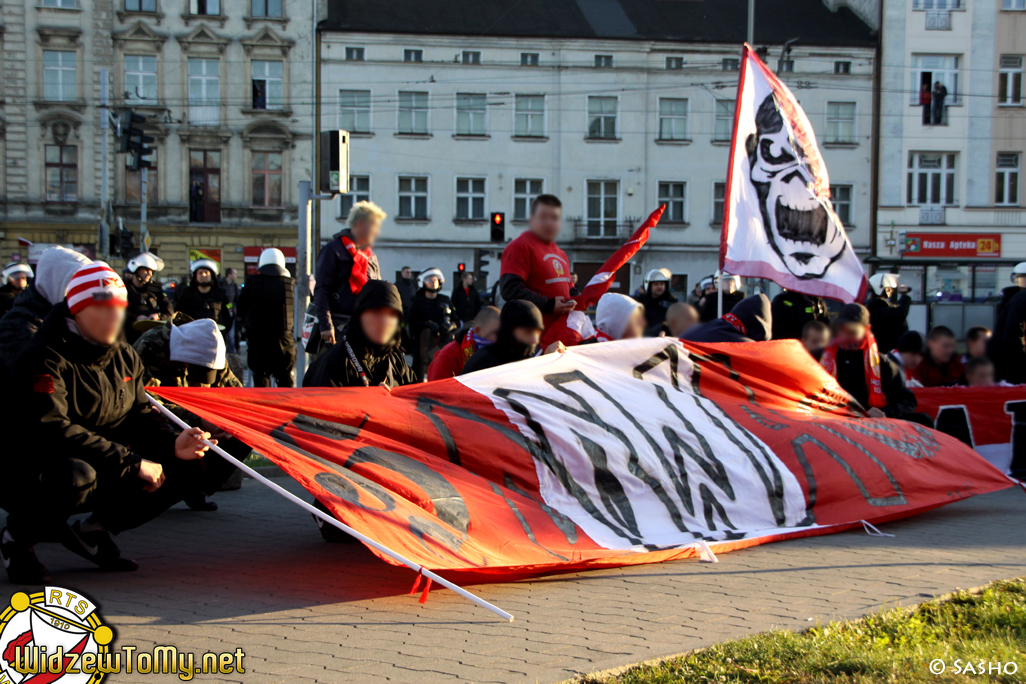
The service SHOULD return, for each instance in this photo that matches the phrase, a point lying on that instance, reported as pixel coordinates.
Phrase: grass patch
(894, 645)
(256, 460)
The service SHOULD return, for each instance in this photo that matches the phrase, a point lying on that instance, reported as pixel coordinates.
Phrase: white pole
(104, 173)
(719, 295)
(332, 521)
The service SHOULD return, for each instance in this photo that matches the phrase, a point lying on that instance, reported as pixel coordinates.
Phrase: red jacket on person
(933, 374)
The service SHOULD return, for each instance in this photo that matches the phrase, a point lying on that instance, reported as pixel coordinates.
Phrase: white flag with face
(778, 221)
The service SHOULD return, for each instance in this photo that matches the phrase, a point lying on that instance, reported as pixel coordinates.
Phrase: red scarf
(468, 345)
(602, 337)
(871, 356)
(736, 322)
(361, 261)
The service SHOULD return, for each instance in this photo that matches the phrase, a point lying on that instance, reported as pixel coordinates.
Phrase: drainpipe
(874, 186)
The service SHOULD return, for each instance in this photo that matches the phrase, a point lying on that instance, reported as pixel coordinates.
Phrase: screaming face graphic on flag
(778, 221)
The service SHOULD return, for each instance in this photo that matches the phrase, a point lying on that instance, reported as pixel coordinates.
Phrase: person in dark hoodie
(146, 298)
(1007, 349)
(656, 299)
(265, 312)
(996, 346)
(15, 277)
(520, 330)
(368, 351)
(203, 297)
(792, 310)
(96, 444)
(887, 317)
(54, 271)
(875, 382)
(751, 320)
(431, 315)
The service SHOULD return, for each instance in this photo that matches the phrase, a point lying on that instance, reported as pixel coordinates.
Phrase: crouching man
(93, 443)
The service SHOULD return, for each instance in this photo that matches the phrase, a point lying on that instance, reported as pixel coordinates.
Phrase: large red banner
(612, 454)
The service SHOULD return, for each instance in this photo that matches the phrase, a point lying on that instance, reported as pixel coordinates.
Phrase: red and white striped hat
(96, 284)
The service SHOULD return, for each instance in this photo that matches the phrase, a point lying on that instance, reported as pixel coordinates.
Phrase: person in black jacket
(368, 353)
(887, 318)
(656, 299)
(203, 297)
(709, 307)
(265, 313)
(96, 445)
(751, 320)
(996, 343)
(431, 319)
(520, 329)
(792, 310)
(15, 278)
(466, 300)
(146, 299)
(344, 265)
(1008, 351)
(407, 286)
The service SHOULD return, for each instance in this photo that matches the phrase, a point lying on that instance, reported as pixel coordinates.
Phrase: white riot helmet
(13, 268)
(271, 255)
(146, 260)
(209, 264)
(881, 281)
(657, 275)
(728, 278)
(424, 275)
(1019, 271)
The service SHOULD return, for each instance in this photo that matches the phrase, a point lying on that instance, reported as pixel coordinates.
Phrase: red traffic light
(461, 267)
(497, 219)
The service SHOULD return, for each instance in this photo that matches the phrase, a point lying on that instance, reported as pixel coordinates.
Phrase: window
(354, 111)
(842, 67)
(470, 113)
(133, 181)
(61, 173)
(673, 118)
(471, 57)
(840, 122)
(1010, 80)
(204, 186)
(354, 54)
(785, 66)
(840, 197)
(724, 120)
(524, 192)
(205, 7)
(530, 116)
(929, 69)
(141, 79)
(602, 118)
(470, 198)
(268, 85)
(931, 178)
(413, 197)
(674, 196)
(528, 59)
(359, 191)
(603, 201)
(719, 192)
(140, 5)
(59, 76)
(604, 61)
(1013, 4)
(731, 64)
(266, 8)
(413, 113)
(936, 4)
(267, 179)
(1007, 186)
(204, 92)
(413, 55)
(674, 63)
(63, 4)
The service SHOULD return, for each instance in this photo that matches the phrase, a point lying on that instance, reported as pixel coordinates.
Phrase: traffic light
(481, 269)
(134, 140)
(125, 243)
(461, 267)
(498, 226)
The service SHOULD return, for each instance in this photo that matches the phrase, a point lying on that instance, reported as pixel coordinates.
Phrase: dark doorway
(204, 186)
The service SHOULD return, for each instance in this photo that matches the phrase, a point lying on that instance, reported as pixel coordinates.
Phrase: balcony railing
(604, 229)
(931, 216)
(938, 20)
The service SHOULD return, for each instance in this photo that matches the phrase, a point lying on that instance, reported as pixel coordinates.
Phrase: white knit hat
(198, 342)
(612, 313)
(96, 284)
(56, 267)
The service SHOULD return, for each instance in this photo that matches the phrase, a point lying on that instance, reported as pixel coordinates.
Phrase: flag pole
(719, 295)
(331, 519)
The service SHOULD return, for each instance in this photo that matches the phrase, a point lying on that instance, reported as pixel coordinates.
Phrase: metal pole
(751, 22)
(104, 166)
(302, 292)
(144, 178)
(719, 295)
(337, 523)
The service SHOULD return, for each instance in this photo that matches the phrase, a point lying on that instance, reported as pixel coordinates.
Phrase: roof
(690, 21)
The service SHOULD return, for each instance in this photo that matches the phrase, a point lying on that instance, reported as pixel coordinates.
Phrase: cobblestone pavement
(256, 575)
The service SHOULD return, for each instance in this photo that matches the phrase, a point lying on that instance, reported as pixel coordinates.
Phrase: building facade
(950, 211)
(227, 89)
(457, 114)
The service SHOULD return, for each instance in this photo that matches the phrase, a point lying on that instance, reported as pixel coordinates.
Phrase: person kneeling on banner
(941, 366)
(680, 318)
(751, 320)
(874, 381)
(908, 355)
(815, 338)
(451, 358)
(519, 338)
(618, 317)
(96, 444)
(979, 372)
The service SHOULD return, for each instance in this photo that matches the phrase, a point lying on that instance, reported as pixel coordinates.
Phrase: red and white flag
(778, 221)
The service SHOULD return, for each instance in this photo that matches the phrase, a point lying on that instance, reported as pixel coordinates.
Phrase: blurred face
(911, 359)
(657, 289)
(710, 289)
(468, 280)
(681, 318)
(199, 376)
(142, 275)
(407, 273)
(488, 331)
(816, 340)
(851, 333)
(546, 221)
(981, 376)
(941, 348)
(380, 325)
(432, 283)
(635, 327)
(366, 231)
(730, 285)
(978, 347)
(1020, 280)
(204, 276)
(19, 280)
(888, 292)
(527, 336)
(101, 324)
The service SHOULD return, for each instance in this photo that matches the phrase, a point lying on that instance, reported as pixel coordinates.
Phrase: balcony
(938, 20)
(594, 230)
(931, 216)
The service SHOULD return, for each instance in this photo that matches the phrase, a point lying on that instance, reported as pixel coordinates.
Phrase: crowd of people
(79, 344)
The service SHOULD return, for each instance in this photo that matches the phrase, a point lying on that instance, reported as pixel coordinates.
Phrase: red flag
(611, 454)
(571, 329)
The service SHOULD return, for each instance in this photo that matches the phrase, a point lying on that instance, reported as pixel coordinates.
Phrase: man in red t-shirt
(449, 361)
(535, 269)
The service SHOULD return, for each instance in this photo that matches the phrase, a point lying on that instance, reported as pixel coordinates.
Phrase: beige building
(226, 85)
